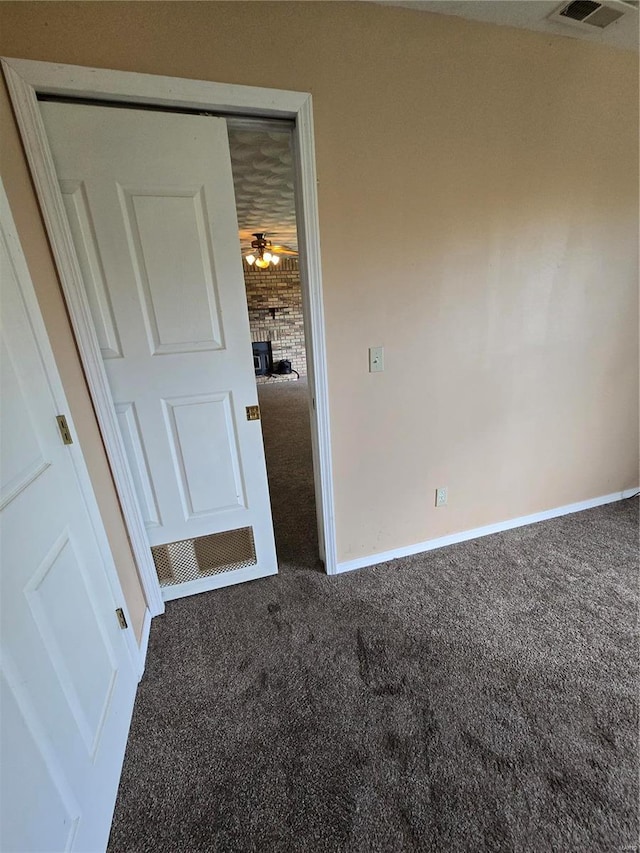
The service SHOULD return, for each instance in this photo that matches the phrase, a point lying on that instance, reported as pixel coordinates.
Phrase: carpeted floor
(284, 408)
(478, 698)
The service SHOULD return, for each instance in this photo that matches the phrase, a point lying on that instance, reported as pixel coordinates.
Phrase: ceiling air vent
(587, 12)
(579, 9)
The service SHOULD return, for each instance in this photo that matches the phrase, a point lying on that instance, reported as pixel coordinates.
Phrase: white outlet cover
(441, 496)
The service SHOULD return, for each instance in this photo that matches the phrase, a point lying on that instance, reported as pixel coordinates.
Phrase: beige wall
(478, 191)
(15, 178)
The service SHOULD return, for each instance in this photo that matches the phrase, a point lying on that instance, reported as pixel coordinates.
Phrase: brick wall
(277, 288)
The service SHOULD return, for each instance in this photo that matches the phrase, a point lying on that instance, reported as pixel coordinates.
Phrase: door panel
(130, 429)
(75, 200)
(152, 209)
(168, 236)
(78, 650)
(53, 814)
(208, 472)
(22, 455)
(68, 681)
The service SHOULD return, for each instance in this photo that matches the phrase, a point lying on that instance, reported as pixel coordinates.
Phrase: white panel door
(67, 681)
(151, 206)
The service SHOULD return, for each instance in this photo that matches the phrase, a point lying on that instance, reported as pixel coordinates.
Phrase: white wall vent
(582, 13)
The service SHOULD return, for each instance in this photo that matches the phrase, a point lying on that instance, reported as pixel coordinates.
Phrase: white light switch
(376, 359)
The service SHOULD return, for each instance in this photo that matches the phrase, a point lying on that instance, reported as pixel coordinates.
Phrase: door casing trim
(26, 79)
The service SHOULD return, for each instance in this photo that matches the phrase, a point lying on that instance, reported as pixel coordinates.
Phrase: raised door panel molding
(75, 640)
(167, 235)
(138, 463)
(23, 459)
(29, 765)
(207, 470)
(81, 224)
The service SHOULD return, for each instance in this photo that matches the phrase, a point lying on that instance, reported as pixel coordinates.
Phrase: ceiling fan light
(275, 259)
(267, 256)
(250, 259)
(261, 263)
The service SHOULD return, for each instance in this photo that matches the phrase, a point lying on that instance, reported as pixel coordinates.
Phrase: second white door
(67, 676)
(150, 201)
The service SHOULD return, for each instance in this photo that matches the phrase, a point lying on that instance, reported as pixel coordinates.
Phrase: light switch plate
(376, 359)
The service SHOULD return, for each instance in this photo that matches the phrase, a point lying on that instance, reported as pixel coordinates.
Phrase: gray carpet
(284, 408)
(478, 698)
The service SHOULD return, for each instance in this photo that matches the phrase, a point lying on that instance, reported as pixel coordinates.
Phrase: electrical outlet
(376, 359)
(441, 496)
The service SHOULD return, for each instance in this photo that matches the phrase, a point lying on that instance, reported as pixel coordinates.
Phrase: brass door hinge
(122, 619)
(253, 413)
(65, 432)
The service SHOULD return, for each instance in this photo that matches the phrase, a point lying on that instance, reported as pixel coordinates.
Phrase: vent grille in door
(191, 559)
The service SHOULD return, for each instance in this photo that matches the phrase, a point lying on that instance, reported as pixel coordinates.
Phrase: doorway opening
(264, 183)
(29, 83)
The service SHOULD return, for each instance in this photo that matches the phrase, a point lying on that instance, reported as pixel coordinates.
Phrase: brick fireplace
(274, 300)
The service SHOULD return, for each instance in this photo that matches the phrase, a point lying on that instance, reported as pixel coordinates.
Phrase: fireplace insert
(262, 358)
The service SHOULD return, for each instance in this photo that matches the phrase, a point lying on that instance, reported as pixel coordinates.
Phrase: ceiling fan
(264, 253)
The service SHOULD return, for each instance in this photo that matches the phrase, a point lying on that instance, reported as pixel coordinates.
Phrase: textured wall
(277, 288)
(478, 194)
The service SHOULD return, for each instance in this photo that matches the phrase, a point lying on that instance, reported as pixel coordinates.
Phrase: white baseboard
(144, 641)
(453, 538)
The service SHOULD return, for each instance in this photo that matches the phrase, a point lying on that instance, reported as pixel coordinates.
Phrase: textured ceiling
(533, 15)
(263, 179)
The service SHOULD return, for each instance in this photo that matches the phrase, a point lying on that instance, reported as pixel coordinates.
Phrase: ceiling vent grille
(579, 9)
(587, 12)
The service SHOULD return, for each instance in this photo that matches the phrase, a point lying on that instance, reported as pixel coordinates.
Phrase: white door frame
(26, 79)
